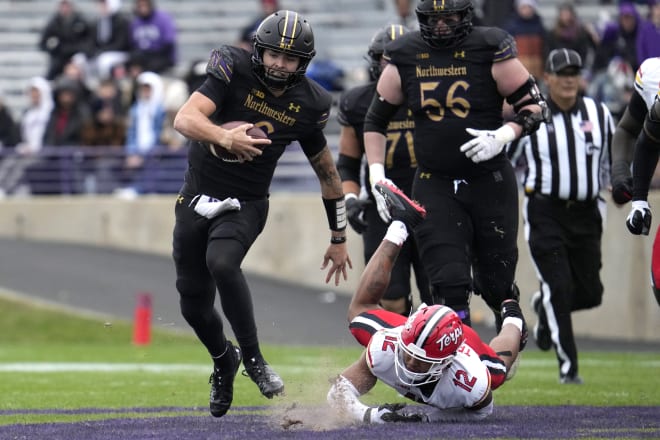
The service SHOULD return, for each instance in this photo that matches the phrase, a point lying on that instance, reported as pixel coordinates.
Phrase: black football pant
(208, 256)
(470, 233)
(565, 244)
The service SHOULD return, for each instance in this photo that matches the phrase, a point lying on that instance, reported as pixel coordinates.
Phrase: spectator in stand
(497, 12)
(404, 12)
(69, 115)
(648, 38)
(526, 27)
(108, 125)
(145, 125)
(66, 34)
(572, 33)
(153, 37)
(111, 38)
(32, 128)
(619, 38)
(9, 135)
(107, 131)
(245, 39)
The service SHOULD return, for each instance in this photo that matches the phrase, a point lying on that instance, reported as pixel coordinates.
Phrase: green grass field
(51, 359)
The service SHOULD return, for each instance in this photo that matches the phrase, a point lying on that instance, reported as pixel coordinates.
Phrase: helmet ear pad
(287, 32)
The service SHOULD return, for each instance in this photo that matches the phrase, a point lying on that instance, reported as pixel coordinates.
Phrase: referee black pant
(564, 240)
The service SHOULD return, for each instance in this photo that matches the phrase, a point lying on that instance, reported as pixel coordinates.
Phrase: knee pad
(457, 298)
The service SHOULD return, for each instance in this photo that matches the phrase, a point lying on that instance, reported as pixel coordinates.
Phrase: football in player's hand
(227, 155)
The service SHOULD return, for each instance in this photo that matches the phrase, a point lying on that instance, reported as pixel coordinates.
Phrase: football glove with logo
(487, 143)
(355, 212)
(377, 175)
(639, 219)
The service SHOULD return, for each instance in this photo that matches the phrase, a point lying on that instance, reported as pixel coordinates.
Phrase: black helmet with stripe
(377, 46)
(287, 32)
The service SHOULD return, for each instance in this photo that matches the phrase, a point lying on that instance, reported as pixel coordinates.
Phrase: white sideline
(92, 367)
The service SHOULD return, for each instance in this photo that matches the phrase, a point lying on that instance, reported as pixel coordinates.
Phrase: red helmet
(431, 335)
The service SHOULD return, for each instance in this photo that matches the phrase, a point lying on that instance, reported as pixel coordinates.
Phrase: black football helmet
(377, 46)
(429, 11)
(288, 32)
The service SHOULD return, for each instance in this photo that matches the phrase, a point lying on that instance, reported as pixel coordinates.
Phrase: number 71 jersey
(462, 385)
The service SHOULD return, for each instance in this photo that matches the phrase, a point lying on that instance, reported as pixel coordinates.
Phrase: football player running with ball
(431, 357)
(223, 204)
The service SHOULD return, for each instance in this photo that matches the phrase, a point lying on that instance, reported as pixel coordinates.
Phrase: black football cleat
(222, 384)
(269, 382)
(511, 308)
(401, 207)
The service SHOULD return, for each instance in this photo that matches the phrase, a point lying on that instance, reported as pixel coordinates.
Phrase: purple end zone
(551, 422)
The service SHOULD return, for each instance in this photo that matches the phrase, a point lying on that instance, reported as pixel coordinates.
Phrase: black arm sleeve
(379, 114)
(644, 163)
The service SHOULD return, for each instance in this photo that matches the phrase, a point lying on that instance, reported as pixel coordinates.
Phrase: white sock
(397, 233)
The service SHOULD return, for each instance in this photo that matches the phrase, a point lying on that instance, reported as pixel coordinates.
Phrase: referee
(566, 163)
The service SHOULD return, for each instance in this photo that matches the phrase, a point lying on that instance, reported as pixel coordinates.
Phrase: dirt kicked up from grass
(261, 423)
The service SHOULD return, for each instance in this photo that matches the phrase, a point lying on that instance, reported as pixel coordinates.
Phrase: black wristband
(337, 240)
(335, 209)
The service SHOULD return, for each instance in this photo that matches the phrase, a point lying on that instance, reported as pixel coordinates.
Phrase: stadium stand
(342, 29)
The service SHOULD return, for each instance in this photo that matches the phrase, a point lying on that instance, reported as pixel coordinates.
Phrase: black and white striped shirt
(569, 157)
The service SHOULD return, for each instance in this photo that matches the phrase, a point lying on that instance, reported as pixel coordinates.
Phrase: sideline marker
(142, 322)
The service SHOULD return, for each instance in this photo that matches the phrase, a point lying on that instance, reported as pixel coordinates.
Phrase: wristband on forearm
(335, 209)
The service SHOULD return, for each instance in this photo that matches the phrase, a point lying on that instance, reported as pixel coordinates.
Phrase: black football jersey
(449, 90)
(299, 114)
(400, 161)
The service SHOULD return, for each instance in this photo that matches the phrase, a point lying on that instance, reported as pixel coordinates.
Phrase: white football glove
(639, 219)
(377, 174)
(487, 143)
(210, 207)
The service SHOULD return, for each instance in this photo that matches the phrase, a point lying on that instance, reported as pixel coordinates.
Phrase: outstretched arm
(356, 380)
(333, 199)
(375, 279)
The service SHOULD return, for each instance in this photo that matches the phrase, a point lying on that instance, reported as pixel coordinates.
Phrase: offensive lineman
(399, 167)
(455, 77)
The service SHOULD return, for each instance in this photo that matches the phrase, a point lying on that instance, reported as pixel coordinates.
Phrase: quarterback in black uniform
(454, 78)
(400, 168)
(223, 204)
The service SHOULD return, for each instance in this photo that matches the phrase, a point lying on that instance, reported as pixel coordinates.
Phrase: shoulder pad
(221, 64)
(501, 41)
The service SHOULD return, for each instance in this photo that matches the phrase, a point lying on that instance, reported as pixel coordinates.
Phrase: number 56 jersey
(462, 385)
(449, 90)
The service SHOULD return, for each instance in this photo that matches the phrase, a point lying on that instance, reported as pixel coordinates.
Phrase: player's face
(444, 22)
(415, 365)
(280, 64)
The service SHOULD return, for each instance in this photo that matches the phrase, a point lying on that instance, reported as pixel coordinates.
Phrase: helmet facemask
(414, 378)
(457, 29)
